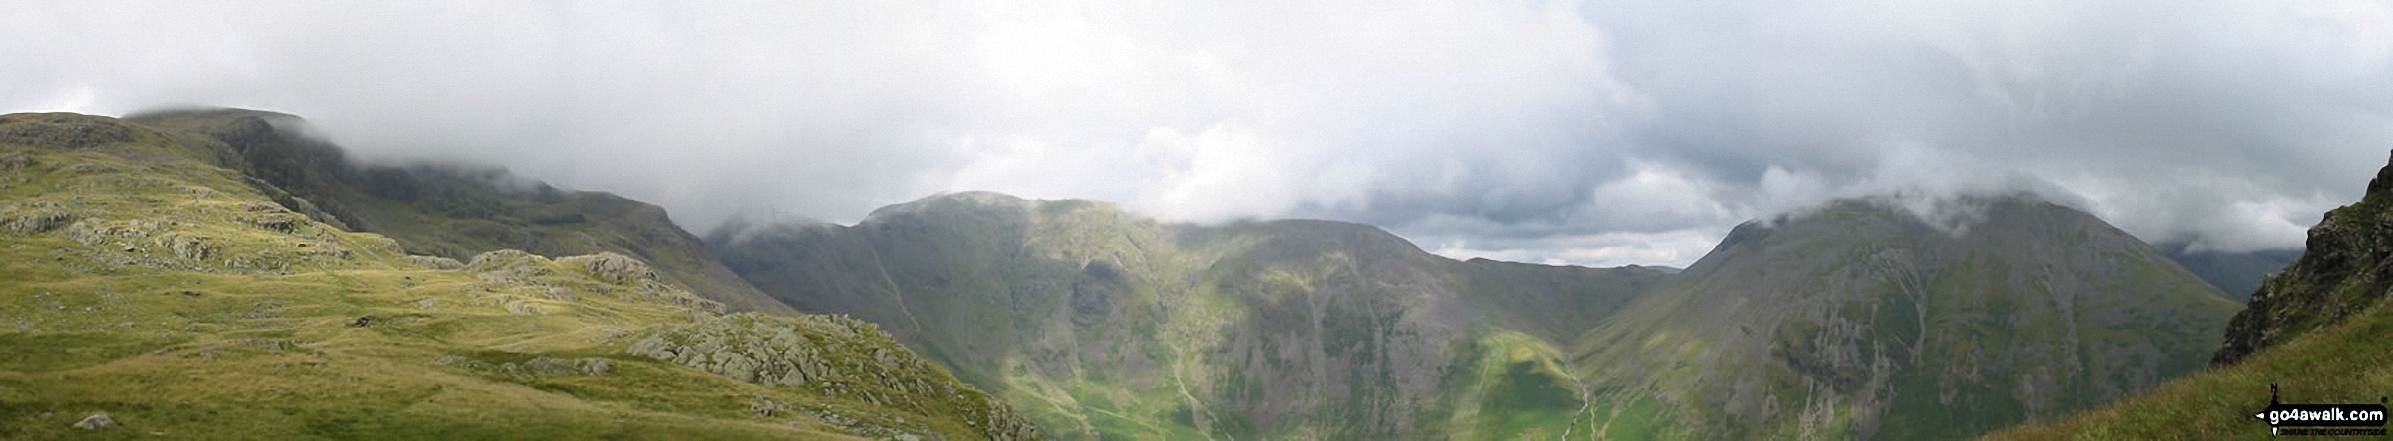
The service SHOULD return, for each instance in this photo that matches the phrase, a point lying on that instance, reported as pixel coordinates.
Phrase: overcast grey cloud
(1603, 132)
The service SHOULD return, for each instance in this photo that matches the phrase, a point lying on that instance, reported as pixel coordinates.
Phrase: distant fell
(2237, 274)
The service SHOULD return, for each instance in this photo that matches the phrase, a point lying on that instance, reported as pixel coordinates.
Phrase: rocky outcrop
(833, 355)
(62, 130)
(532, 275)
(2341, 273)
(436, 262)
(759, 350)
(612, 267)
(38, 218)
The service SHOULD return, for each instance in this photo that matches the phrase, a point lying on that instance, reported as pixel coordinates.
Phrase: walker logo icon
(2322, 419)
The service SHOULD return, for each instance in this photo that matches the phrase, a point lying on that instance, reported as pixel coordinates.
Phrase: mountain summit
(1865, 319)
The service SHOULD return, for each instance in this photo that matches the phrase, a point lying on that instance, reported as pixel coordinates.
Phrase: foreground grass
(236, 356)
(2351, 362)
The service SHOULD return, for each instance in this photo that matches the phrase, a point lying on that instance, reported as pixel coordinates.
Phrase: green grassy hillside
(453, 211)
(146, 282)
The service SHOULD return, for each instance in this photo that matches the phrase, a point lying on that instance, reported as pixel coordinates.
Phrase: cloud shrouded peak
(1600, 132)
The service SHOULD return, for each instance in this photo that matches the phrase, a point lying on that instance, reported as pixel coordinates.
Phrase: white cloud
(1677, 248)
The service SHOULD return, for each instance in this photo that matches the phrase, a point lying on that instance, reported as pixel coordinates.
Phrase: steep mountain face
(2341, 273)
(453, 211)
(1867, 321)
(1099, 323)
(144, 284)
(2237, 274)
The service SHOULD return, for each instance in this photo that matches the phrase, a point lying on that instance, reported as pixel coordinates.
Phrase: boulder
(97, 421)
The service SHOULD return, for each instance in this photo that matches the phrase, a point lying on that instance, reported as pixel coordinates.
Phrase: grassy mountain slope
(2316, 330)
(147, 282)
(451, 210)
(1099, 323)
(1862, 320)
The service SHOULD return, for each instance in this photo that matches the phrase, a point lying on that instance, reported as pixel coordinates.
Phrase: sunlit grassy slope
(141, 280)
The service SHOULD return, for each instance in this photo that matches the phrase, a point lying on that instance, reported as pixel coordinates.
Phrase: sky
(1601, 133)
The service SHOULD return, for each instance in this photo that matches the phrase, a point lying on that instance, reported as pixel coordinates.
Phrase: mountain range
(1856, 319)
(221, 273)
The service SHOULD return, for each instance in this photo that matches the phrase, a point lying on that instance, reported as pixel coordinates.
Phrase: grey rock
(281, 222)
(187, 247)
(97, 421)
(613, 267)
(518, 307)
(595, 366)
(35, 221)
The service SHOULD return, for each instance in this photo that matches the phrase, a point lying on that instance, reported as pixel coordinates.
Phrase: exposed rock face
(2341, 272)
(838, 356)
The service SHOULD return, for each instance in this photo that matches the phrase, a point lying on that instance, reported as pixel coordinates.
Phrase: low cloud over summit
(1596, 133)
